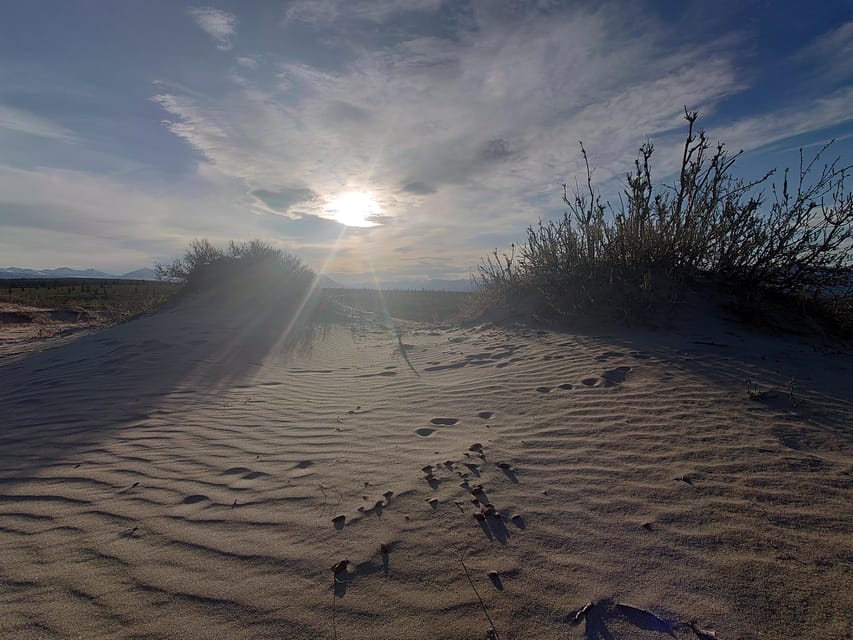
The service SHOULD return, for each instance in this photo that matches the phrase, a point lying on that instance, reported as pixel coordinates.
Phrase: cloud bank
(461, 120)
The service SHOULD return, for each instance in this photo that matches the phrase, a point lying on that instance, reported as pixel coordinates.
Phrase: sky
(388, 140)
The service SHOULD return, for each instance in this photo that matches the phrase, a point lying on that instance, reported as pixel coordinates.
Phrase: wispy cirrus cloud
(831, 55)
(493, 112)
(325, 12)
(470, 130)
(21, 121)
(219, 25)
(461, 118)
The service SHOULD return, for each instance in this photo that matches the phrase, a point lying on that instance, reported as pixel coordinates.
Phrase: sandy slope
(177, 477)
(24, 328)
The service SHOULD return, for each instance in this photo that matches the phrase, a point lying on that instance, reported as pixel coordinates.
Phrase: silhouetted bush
(710, 228)
(257, 263)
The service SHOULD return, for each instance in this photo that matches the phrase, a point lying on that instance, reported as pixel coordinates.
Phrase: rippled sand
(178, 476)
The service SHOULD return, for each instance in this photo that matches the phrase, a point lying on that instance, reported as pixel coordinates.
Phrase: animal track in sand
(445, 422)
(381, 374)
(424, 431)
(609, 354)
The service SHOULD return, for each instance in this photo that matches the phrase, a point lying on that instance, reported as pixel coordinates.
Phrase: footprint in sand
(424, 432)
(455, 365)
(193, 499)
(615, 376)
(235, 470)
(590, 382)
(543, 389)
(444, 422)
(381, 374)
(485, 415)
(567, 386)
(609, 354)
(245, 472)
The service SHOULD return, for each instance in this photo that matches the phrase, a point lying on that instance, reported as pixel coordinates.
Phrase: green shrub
(709, 228)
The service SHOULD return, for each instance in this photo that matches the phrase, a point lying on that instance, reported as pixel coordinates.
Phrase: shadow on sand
(65, 399)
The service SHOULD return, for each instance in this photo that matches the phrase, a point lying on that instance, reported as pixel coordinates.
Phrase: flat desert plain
(198, 473)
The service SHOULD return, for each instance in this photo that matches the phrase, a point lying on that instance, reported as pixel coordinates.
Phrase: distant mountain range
(148, 274)
(432, 284)
(65, 272)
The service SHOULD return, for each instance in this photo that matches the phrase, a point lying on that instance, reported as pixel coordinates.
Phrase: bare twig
(482, 603)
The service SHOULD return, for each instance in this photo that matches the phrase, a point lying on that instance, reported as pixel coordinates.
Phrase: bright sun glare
(354, 209)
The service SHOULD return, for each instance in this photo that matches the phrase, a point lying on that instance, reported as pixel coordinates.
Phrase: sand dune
(183, 476)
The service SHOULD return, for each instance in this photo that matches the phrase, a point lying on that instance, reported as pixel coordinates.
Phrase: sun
(354, 209)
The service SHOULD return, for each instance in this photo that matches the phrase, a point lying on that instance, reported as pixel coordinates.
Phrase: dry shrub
(206, 266)
(710, 228)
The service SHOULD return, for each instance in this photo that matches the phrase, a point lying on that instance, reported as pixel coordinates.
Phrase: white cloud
(498, 110)
(758, 131)
(247, 62)
(21, 121)
(466, 138)
(325, 12)
(831, 54)
(104, 218)
(219, 25)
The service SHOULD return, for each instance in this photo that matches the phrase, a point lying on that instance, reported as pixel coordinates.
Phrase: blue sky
(129, 128)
